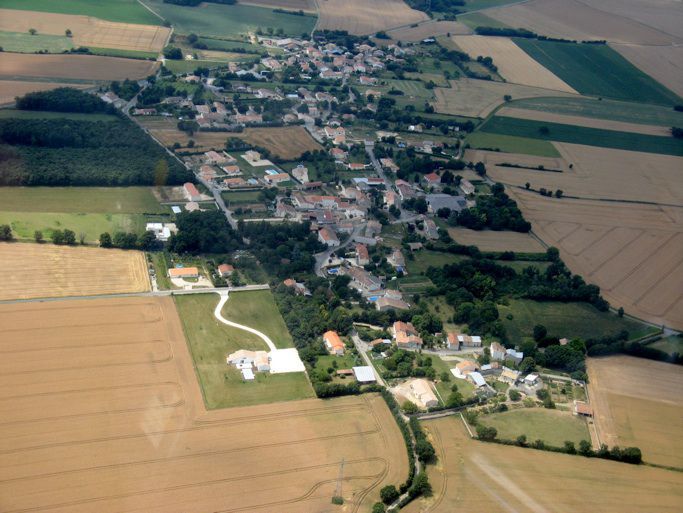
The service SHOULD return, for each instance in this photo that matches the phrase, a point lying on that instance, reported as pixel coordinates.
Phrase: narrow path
(219, 316)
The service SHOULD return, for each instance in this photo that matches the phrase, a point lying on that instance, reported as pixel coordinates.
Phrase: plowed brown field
(87, 31)
(42, 270)
(639, 403)
(80, 67)
(480, 477)
(10, 89)
(101, 412)
(633, 252)
(366, 16)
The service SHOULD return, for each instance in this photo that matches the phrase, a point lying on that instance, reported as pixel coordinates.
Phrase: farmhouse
(225, 270)
(582, 409)
(463, 368)
(497, 351)
(276, 178)
(362, 280)
(362, 255)
(162, 231)
(388, 303)
(191, 192)
(466, 187)
(183, 272)
(327, 236)
(300, 173)
(245, 359)
(509, 376)
(406, 336)
(299, 288)
(333, 343)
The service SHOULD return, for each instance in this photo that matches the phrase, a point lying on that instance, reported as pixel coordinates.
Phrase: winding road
(217, 312)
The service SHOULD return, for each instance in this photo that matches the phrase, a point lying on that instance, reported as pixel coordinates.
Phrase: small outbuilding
(364, 374)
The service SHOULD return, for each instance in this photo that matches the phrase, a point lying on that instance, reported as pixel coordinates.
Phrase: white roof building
(477, 379)
(364, 374)
(248, 374)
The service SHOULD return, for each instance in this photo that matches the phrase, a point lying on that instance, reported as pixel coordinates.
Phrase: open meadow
(366, 16)
(489, 240)
(633, 252)
(565, 320)
(86, 30)
(505, 144)
(481, 477)
(46, 270)
(637, 402)
(554, 427)
(514, 65)
(90, 68)
(576, 19)
(210, 341)
(288, 5)
(211, 19)
(101, 411)
(478, 98)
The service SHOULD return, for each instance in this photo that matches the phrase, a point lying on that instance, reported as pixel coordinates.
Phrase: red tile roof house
(191, 192)
(327, 236)
(362, 255)
(183, 272)
(225, 270)
(432, 179)
(333, 343)
(406, 336)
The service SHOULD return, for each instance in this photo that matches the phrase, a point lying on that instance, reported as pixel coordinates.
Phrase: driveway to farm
(217, 312)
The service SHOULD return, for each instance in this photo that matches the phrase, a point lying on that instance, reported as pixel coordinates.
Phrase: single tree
(5, 232)
(68, 33)
(69, 237)
(38, 236)
(105, 240)
(32, 31)
(388, 494)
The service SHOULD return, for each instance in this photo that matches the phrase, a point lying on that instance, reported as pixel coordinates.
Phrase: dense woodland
(62, 152)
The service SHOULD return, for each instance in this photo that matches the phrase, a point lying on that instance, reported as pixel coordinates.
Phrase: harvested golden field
(42, 270)
(288, 5)
(478, 98)
(575, 19)
(430, 28)
(639, 403)
(603, 124)
(102, 412)
(286, 142)
(663, 15)
(480, 477)
(597, 173)
(663, 63)
(514, 64)
(88, 31)
(79, 67)
(488, 240)
(10, 89)
(365, 16)
(633, 252)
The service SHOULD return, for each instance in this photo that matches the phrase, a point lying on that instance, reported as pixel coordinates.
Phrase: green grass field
(241, 198)
(503, 125)
(26, 43)
(228, 45)
(125, 11)
(191, 65)
(257, 309)
(409, 87)
(512, 144)
(117, 52)
(444, 387)
(597, 70)
(24, 224)
(474, 5)
(570, 320)
(211, 341)
(671, 344)
(426, 258)
(613, 110)
(478, 19)
(41, 114)
(230, 20)
(551, 426)
(92, 200)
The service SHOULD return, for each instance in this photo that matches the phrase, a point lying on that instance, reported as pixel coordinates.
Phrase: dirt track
(101, 411)
(45, 270)
(638, 403)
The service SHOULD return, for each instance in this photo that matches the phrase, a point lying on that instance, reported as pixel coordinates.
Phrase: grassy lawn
(105, 200)
(26, 43)
(38, 114)
(512, 144)
(161, 263)
(584, 68)
(568, 320)
(24, 224)
(583, 135)
(125, 11)
(229, 45)
(191, 65)
(412, 284)
(257, 309)
(241, 198)
(551, 426)
(671, 344)
(230, 20)
(211, 341)
(425, 259)
(614, 110)
(444, 387)
(119, 52)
